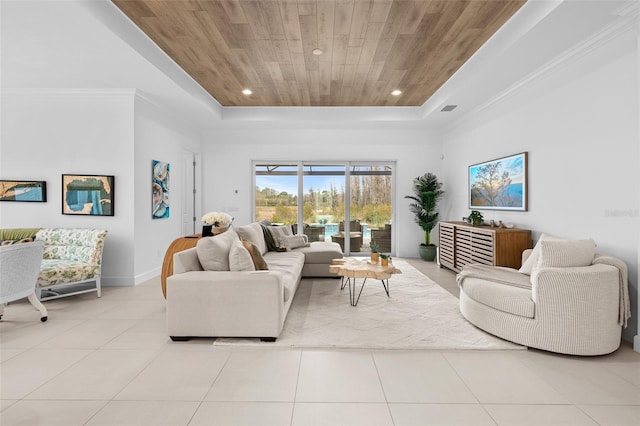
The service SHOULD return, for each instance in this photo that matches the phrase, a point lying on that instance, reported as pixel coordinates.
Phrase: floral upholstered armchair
(72, 259)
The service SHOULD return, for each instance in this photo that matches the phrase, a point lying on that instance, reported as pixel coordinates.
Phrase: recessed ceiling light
(317, 51)
(247, 92)
(396, 92)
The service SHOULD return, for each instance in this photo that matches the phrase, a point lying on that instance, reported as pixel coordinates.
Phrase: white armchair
(577, 310)
(19, 269)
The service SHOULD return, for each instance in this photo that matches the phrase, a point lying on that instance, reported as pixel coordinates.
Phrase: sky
(289, 183)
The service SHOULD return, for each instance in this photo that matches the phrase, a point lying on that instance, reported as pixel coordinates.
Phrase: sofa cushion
(239, 258)
(79, 245)
(503, 297)
(532, 260)
(289, 266)
(57, 271)
(321, 252)
(256, 257)
(253, 233)
(566, 253)
(213, 252)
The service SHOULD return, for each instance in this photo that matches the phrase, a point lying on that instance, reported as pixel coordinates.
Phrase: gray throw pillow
(213, 252)
(240, 258)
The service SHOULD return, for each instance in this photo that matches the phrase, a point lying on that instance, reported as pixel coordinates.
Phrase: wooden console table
(177, 245)
(462, 244)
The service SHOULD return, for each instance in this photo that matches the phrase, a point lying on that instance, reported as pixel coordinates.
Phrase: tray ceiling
(369, 47)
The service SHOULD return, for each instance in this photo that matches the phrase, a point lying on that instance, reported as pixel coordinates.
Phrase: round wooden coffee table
(349, 269)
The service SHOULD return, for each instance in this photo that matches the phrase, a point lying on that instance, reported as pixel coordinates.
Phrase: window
(311, 196)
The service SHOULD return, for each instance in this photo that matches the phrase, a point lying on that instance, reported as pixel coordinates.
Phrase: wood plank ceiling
(369, 47)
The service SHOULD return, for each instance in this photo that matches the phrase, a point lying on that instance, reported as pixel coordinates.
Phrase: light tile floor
(108, 361)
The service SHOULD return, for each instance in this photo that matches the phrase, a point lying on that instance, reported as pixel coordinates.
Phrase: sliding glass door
(317, 197)
(276, 193)
(370, 211)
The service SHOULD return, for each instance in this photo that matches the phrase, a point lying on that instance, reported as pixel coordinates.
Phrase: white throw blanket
(497, 274)
(625, 307)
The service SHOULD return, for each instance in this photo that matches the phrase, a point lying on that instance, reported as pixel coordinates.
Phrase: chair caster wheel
(43, 319)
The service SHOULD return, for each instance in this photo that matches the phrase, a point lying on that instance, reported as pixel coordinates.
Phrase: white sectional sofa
(239, 303)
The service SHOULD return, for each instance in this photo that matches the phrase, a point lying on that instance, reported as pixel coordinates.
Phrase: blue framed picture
(23, 190)
(89, 195)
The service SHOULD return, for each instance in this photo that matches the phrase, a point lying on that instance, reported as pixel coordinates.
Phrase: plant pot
(428, 252)
(210, 230)
(375, 257)
(384, 262)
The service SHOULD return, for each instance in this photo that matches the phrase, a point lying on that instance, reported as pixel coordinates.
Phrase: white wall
(228, 155)
(159, 135)
(48, 133)
(579, 124)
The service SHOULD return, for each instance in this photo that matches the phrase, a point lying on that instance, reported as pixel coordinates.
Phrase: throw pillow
(213, 252)
(280, 233)
(239, 258)
(532, 261)
(258, 260)
(295, 241)
(254, 233)
(566, 253)
(269, 241)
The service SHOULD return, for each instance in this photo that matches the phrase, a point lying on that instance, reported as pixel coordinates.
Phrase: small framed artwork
(160, 189)
(499, 184)
(90, 195)
(23, 190)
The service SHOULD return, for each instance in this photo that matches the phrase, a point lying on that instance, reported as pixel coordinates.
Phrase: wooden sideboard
(462, 244)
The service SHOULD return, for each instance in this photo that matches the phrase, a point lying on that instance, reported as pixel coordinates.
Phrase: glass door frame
(347, 190)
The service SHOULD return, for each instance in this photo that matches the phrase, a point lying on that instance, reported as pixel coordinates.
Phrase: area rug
(419, 314)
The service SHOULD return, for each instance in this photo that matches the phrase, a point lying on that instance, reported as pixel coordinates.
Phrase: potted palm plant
(427, 193)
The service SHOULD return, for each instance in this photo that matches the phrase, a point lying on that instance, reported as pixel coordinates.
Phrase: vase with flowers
(214, 223)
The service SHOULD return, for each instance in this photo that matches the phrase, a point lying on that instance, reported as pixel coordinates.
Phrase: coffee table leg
(386, 286)
(343, 281)
(352, 295)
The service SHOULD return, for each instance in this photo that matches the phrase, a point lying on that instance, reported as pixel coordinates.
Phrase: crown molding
(48, 91)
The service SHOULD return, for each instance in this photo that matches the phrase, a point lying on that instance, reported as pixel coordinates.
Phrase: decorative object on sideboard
(499, 184)
(23, 190)
(91, 195)
(427, 192)
(214, 223)
(475, 218)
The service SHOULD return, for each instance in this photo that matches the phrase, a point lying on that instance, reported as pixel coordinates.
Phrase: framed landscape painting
(499, 184)
(23, 190)
(90, 195)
